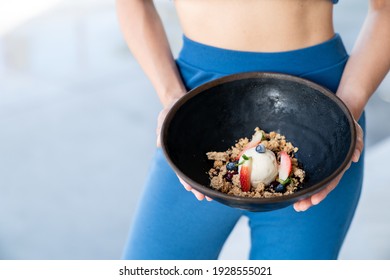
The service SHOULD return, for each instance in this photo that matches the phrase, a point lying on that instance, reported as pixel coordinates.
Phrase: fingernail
(315, 200)
(356, 156)
(296, 208)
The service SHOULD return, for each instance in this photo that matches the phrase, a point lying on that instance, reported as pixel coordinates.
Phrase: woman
(228, 36)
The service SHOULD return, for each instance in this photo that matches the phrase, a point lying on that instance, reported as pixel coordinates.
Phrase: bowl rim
(301, 194)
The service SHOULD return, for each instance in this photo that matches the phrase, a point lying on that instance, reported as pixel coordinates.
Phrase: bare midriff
(257, 25)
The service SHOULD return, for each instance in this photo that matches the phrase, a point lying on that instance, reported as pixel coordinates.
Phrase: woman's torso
(257, 25)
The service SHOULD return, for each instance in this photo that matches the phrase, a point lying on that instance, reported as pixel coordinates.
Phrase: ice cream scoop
(264, 166)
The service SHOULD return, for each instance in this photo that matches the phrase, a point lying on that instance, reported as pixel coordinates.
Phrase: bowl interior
(212, 117)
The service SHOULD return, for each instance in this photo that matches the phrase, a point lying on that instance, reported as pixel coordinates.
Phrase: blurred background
(77, 132)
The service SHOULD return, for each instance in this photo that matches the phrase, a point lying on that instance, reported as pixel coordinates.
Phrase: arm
(370, 59)
(146, 38)
(366, 68)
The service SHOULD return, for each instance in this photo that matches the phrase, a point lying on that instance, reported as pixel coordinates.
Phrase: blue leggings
(171, 224)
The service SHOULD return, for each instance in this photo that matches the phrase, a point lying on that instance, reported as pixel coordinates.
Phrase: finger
(358, 148)
(356, 155)
(345, 169)
(208, 198)
(158, 142)
(303, 205)
(158, 129)
(315, 199)
(160, 119)
(359, 143)
(185, 185)
(320, 196)
(197, 194)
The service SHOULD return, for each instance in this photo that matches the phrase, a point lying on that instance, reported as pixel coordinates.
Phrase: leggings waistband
(227, 61)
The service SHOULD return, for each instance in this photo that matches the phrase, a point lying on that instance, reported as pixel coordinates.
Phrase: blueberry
(260, 148)
(280, 188)
(231, 166)
(229, 176)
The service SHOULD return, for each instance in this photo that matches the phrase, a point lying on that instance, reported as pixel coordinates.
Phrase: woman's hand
(315, 199)
(369, 55)
(161, 117)
(197, 194)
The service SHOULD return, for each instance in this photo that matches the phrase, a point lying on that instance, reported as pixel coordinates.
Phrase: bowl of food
(258, 141)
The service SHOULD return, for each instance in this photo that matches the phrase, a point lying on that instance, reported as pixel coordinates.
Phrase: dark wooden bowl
(214, 115)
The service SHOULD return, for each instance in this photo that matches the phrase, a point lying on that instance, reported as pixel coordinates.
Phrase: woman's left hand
(161, 116)
(315, 199)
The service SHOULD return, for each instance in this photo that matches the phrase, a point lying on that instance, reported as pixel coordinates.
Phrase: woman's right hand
(161, 117)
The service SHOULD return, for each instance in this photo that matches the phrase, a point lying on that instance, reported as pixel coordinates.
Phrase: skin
(260, 26)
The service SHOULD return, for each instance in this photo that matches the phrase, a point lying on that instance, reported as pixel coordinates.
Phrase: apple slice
(245, 174)
(256, 139)
(285, 166)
